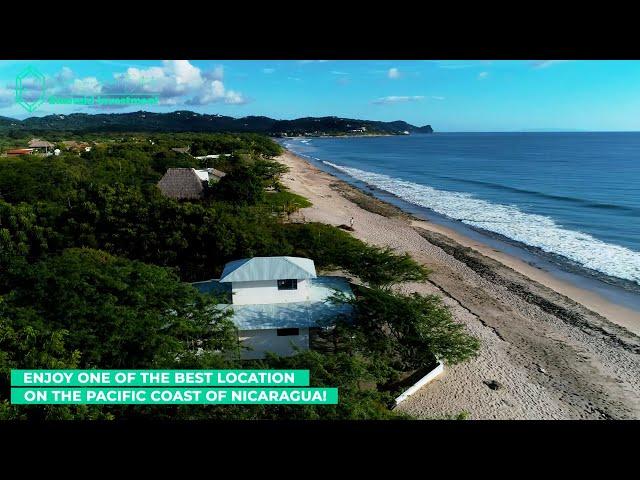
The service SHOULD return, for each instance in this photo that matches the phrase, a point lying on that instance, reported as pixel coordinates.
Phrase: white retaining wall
(436, 372)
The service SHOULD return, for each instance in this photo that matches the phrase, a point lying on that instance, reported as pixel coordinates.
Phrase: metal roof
(217, 173)
(19, 151)
(319, 310)
(268, 268)
(202, 175)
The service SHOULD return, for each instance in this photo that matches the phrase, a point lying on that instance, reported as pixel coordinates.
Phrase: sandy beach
(550, 350)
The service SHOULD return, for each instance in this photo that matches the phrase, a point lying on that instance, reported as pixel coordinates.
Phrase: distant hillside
(186, 121)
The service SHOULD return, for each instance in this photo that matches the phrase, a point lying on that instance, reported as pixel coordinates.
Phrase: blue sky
(455, 95)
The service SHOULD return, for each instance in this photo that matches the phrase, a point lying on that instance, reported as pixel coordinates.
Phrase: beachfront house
(277, 302)
(188, 183)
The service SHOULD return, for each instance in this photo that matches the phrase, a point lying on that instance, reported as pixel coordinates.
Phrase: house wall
(267, 292)
(262, 341)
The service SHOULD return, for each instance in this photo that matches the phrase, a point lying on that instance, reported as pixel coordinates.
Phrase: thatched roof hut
(182, 184)
(37, 143)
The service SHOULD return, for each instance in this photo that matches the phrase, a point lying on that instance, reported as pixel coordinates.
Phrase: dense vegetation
(186, 121)
(94, 263)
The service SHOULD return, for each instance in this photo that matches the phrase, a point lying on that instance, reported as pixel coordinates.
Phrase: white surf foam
(531, 229)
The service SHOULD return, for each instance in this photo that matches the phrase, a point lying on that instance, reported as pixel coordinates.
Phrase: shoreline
(617, 313)
(546, 343)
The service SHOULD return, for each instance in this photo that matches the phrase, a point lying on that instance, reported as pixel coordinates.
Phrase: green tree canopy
(119, 313)
(408, 331)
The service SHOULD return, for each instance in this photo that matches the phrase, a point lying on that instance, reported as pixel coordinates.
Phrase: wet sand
(550, 350)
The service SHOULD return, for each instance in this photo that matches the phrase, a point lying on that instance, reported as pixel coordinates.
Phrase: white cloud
(215, 92)
(172, 79)
(437, 97)
(268, 71)
(216, 74)
(177, 79)
(7, 97)
(547, 63)
(336, 72)
(393, 73)
(175, 82)
(65, 75)
(86, 86)
(185, 73)
(483, 75)
(397, 99)
(234, 98)
(63, 82)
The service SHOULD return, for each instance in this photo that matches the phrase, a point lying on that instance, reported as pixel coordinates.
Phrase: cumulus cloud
(63, 82)
(483, 75)
(547, 63)
(175, 82)
(86, 86)
(215, 92)
(393, 73)
(65, 75)
(177, 79)
(7, 97)
(216, 74)
(174, 78)
(397, 99)
(186, 74)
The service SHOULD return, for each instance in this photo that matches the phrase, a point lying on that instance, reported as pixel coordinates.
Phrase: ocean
(570, 200)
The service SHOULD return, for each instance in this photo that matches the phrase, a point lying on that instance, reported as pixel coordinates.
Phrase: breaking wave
(531, 229)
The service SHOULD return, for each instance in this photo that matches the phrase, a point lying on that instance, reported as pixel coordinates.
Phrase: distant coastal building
(76, 146)
(210, 175)
(277, 302)
(212, 157)
(40, 145)
(16, 152)
(182, 184)
(181, 149)
(188, 183)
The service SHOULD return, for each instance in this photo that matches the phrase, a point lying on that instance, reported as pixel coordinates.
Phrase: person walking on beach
(351, 223)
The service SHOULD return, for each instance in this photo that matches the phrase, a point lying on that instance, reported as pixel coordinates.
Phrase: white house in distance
(276, 301)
